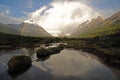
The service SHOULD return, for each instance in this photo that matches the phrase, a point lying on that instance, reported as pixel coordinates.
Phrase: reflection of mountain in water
(68, 65)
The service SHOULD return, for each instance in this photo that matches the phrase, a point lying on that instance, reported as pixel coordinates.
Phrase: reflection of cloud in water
(68, 65)
(73, 63)
(92, 74)
(39, 74)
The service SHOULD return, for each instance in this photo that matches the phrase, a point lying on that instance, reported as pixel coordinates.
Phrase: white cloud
(62, 15)
(37, 14)
(4, 10)
(6, 18)
(9, 20)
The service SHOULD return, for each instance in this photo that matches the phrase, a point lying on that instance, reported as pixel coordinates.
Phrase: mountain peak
(99, 18)
(30, 28)
(30, 22)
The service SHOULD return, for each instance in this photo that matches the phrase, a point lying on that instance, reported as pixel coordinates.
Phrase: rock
(43, 52)
(18, 64)
(49, 51)
(55, 50)
(61, 46)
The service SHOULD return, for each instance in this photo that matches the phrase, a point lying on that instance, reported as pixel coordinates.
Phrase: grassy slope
(110, 26)
(105, 30)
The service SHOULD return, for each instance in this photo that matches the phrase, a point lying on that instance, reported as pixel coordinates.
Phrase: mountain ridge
(6, 29)
(87, 26)
(108, 26)
(33, 30)
(17, 29)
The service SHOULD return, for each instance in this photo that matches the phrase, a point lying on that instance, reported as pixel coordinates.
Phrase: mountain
(33, 30)
(109, 26)
(6, 29)
(87, 26)
(16, 27)
(24, 29)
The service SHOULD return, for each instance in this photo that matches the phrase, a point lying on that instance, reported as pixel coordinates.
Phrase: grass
(105, 29)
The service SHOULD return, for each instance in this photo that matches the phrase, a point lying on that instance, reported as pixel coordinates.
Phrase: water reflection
(40, 74)
(68, 65)
(4, 51)
(16, 74)
(43, 58)
(71, 64)
(30, 51)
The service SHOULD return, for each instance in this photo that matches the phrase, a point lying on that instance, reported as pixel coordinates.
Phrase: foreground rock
(19, 64)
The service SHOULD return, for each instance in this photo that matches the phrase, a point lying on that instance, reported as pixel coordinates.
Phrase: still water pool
(69, 64)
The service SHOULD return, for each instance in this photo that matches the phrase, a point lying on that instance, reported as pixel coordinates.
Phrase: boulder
(61, 46)
(18, 64)
(43, 52)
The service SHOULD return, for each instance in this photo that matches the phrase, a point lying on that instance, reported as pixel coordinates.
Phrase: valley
(93, 46)
(101, 40)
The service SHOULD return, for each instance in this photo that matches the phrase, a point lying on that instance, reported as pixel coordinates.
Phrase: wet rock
(61, 46)
(43, 52)
(19, 64)
(49, 51)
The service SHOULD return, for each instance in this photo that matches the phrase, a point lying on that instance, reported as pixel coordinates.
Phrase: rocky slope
(33, 30)
(109, 26)
(87, 26)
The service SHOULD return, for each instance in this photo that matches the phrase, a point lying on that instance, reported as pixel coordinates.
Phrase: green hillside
(104, 30)
(110, 26)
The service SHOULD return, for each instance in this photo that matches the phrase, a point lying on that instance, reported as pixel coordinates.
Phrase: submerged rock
(19, 64)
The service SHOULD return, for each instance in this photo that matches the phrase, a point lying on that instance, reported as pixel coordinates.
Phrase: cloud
(10, 20)
(4, 10)
(6, 18)
(62, 16)
(104, 7)
(4, 15)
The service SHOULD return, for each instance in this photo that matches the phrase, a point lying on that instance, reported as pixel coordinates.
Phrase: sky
(56, 16)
